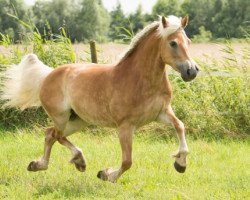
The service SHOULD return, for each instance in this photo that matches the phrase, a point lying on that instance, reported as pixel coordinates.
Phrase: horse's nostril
(197, 68)
(188, 72)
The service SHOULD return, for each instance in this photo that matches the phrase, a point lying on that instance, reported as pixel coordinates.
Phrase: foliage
(203, 36)
(232, 19)
(118, 20)
(52, 52)
(217, 102)
(86, 19)
(137, 20)
(50, 16)
(166, 7)
(92, 21)
(221, 93)
(8, 26)
(200, 14)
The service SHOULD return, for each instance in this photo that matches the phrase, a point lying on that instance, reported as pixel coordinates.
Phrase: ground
(111, 52)
(216, 170)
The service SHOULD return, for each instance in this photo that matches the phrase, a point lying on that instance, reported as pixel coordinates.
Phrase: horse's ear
(164, 22)
(184, 21)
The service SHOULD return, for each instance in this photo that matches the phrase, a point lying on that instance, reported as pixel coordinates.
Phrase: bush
(56, 51)
(215, 104)
(203, 36)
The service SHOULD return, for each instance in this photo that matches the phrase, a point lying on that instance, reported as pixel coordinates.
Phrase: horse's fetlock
(126, 164)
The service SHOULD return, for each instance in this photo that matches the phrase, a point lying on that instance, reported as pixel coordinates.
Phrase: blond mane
(174, 24)
(138, 38)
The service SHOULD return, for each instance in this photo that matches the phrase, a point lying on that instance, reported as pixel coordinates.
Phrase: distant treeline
(88, 19)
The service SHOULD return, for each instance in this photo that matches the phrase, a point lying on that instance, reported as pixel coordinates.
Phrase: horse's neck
(145, 63)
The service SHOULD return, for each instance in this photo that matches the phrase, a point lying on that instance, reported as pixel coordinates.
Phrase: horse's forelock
(173, 25)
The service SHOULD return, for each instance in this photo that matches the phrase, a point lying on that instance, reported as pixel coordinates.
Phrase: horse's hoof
(79, 162)
(99, 174)
(35, 166)
(32, 166)
(179, 168)
(102, 175)
(80, 167)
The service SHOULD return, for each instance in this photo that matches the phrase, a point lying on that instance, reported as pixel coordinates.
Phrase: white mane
(173, 25)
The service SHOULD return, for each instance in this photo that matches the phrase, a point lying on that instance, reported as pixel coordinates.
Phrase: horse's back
(90, 93)
(83, 88)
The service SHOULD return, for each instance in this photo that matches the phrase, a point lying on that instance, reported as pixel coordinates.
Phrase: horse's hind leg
(59, 117)
(125, 137)
(63, 128)
(42, 164)
(78, 158)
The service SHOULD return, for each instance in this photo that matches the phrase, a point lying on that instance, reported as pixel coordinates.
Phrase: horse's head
(174, 47)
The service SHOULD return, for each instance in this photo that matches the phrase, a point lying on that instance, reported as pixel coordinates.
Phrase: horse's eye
(173, 44)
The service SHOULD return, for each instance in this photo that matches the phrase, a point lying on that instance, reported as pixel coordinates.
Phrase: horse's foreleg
(168, 116)
(78, 158)
(125, 137)
(42, 164)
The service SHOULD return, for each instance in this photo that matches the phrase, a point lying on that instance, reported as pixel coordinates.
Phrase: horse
(126, 95)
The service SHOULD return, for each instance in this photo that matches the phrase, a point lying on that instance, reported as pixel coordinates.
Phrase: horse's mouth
(187, 79)
(187, 76)
(188, 70)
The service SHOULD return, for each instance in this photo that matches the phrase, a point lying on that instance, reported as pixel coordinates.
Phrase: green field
(216, 170)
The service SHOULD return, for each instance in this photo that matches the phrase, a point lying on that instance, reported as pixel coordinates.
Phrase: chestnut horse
(125, 95)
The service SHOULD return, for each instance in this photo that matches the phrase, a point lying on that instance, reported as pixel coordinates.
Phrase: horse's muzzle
(190, 73)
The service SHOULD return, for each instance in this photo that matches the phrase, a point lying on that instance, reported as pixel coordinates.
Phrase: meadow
(216, 170)
(214, 108)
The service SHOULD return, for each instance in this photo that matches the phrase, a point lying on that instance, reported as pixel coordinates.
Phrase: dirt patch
(111, 52)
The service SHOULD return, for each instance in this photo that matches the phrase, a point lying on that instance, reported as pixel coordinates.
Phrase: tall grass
(56, 50)
(216, 103)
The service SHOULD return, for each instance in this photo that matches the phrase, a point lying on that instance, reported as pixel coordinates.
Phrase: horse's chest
(149, 110)
(140, 112)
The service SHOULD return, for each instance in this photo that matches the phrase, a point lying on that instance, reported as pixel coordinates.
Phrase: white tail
(22, 83)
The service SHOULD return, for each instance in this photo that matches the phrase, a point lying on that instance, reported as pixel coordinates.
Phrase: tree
(8, 25)
(166, 7)
(118, 20)
(50, 16)
(82, 19)
(92, 22)
(232, 19)
(224, 18)
(200, 14)
(137, 19)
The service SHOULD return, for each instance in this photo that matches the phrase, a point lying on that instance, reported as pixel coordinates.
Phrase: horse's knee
(50, 135)
(126, 164)
(179, 126)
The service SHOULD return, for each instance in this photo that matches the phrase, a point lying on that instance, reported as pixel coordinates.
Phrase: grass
(217, 169)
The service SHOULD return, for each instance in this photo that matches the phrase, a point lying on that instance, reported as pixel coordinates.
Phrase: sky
(128, 6)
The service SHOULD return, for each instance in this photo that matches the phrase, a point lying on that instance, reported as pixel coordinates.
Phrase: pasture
(214, 108)
(217, 169)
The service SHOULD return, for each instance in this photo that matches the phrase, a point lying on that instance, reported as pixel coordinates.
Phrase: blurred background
(105, 20)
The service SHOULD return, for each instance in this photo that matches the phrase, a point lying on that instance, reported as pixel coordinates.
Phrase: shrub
(215, 104)
(203, 36)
